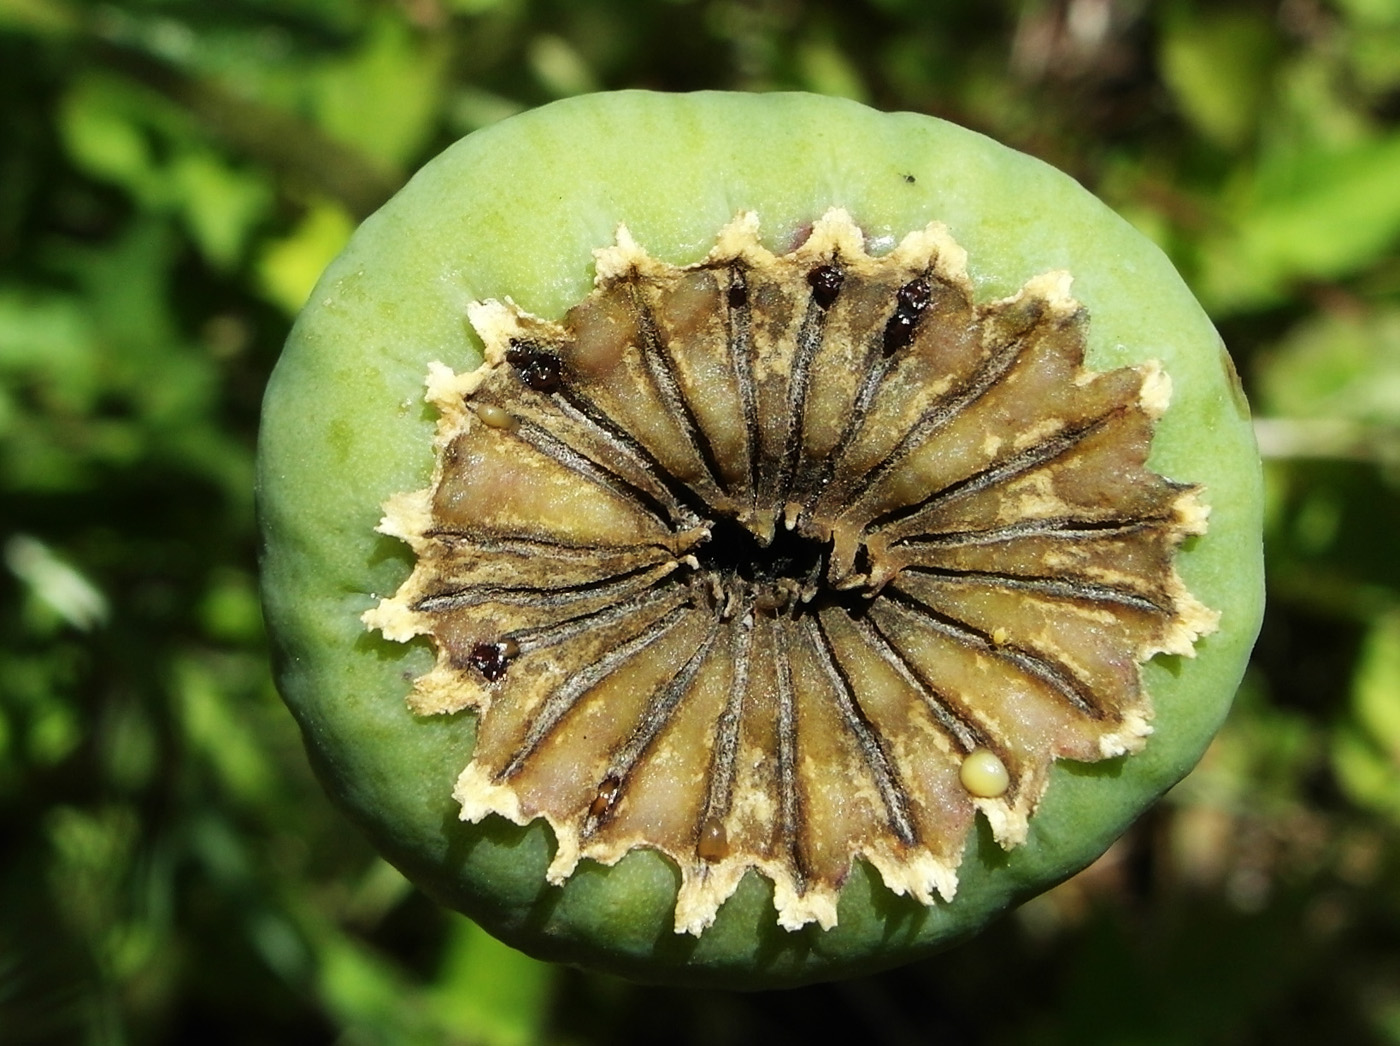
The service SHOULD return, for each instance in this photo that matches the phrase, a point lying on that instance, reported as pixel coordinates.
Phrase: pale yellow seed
(984, 774)
(494, 416)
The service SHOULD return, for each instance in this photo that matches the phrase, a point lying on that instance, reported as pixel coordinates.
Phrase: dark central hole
(734, 551)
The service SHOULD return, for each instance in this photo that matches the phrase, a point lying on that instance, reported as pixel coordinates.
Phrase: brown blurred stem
(293, 148)
(1326, 438)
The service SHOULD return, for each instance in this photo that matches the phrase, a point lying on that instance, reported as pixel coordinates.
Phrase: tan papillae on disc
(777, 561)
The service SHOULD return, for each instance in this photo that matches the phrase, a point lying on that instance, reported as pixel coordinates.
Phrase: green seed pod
(825, 529)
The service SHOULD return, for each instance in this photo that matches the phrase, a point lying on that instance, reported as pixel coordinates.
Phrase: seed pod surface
(830, 525)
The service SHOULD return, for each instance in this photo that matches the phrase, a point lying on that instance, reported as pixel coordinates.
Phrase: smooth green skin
(516, 210)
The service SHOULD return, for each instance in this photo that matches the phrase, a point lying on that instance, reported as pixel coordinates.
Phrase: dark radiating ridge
(661, 369)
(881, 355)
(689, 508)
(719, 793)
(739, 321)
(1056, 586)
(659, 709)
(1061, 680)
(1069, 528)
(810, 335)
(562, 700)
(532, 639)
(552, 447)
(966, 734)
(615, 585)
(535, 545)
(790, 802)
(940, 413)
(872, 747)
(1032, 457)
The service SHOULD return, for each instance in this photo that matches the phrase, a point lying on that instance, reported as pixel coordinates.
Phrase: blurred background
(173, 177)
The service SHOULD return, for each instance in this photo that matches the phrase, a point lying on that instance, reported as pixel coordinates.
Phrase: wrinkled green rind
(516, 210)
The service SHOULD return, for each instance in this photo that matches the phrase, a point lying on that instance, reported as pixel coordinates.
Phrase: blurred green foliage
(173, 177)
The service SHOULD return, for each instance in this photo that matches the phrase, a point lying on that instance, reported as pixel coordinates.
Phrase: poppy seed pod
(748, 540)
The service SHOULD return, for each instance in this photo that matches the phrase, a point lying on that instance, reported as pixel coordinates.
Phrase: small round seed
(825, 281)
(984, 774)
(494, 416)
(537, 367)
(899, 332)
(713, 844)
(492, 659)
(913, 297)
(607, 795)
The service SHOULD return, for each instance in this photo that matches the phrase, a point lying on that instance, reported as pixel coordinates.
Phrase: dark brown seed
(538, 368)
(491, 659)
(899, 332)
(913, 297)
(825, 281)
(605, 797)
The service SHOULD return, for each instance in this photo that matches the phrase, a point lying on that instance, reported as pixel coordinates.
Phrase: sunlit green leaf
(470, 109)
(41, 16)
(825, 70)
(360, 988)
(1218, 67)
(474, 7)
(92, 849)
(48, 338)
(101, 128)
(1367, 749)
(230, 608)
(221, 205)
(488, 993)
(128, 135)
(1371, 13)
(384, 97)
(290, 267)
(1332, 213)
(559, 66)
(1376, 56)
(219, 731)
